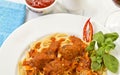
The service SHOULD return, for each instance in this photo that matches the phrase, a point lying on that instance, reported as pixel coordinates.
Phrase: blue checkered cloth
(12, 15)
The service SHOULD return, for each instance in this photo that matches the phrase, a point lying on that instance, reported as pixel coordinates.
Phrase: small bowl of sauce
(40, 6)
(117, 2)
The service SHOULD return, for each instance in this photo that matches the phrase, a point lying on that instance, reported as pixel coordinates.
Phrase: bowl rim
(40, 9)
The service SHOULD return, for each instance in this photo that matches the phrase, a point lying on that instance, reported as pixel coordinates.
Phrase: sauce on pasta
(64, 55)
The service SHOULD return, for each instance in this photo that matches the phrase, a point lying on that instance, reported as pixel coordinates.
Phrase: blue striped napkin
(12, 15)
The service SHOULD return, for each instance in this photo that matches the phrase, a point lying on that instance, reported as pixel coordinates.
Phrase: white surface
(21, 38)
(113, 22)
(99, 10)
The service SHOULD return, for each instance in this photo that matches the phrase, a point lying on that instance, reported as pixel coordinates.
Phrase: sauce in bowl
(39, 3)
(117, 2)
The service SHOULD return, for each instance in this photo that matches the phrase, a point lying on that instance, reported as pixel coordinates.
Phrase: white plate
(21, 38)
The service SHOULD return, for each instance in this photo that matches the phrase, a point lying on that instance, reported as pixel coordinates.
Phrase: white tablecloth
(98, 10)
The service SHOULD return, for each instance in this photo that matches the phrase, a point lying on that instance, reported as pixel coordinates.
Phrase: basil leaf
(113, 36)
(100, 51)
(108, 40)
(91, 46)
(95, 66)
(100, 57)
(111, 62)
(99, 60)
(99, 37)
(109, 47)
(93, 58)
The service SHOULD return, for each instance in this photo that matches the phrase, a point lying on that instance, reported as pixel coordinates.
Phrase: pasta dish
(57, 54)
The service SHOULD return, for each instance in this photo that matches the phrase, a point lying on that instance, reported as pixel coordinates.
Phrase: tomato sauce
(74, 59)
(39, 3)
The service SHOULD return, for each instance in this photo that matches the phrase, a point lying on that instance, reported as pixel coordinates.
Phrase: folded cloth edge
(12, 5)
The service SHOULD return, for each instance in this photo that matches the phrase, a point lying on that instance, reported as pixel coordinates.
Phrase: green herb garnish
(110, 62)
(101, 56)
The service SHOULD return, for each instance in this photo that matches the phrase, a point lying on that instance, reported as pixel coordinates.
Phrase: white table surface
(98, 10)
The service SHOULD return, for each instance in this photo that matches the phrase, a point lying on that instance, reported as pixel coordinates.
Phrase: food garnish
(87, 32)
(99, 49)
